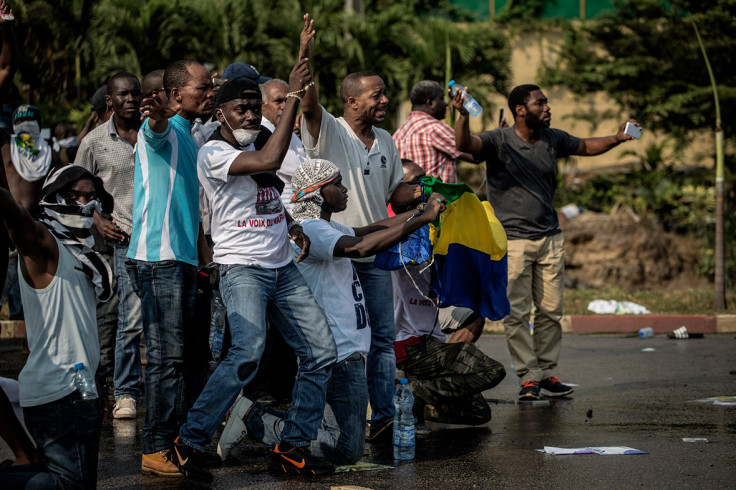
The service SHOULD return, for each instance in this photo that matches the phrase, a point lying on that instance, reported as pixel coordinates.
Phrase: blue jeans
(381, 366)
(130, 328)
(107, 326)
(250, 292)
(341, 436)
(67, 434)
(167, 291)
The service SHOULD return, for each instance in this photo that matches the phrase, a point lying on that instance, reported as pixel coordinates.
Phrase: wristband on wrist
(296, 93)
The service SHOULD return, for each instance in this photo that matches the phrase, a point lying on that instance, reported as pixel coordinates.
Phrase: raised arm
(33, 241)
(310, 104)
(9, 55)
(464, 141)
(384, 234)
(595, 146)
(272, 154)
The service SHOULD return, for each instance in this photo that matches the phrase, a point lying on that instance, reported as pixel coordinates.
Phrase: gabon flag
(470, 252)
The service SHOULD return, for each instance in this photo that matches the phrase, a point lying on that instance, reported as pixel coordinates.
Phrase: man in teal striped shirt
(163, 252)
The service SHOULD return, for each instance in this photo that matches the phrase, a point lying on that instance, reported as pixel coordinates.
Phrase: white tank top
(61, 326)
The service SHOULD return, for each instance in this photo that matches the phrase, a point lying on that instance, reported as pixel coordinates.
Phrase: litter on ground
(609, 307)
(719, 400)
(602, 450)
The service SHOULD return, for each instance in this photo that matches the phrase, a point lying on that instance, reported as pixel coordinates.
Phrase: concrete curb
(11, 329)
(631, 323)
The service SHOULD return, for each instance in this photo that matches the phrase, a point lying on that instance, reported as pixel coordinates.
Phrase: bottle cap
(404, 381)
(79, 366)
(452, 82)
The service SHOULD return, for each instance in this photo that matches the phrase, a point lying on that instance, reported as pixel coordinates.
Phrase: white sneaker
(235, 430)
(124, 409)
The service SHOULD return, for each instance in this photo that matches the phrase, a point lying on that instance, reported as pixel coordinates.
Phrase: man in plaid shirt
(424, 138)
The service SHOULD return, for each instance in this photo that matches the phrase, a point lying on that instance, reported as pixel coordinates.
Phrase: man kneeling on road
(60, 275)
(318, 193)
(447, 379)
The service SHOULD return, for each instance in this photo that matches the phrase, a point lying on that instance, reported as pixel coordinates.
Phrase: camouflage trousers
(448, 380)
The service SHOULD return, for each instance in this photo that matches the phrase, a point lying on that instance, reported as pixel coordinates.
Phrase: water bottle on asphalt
(470, 104)
(404, 421)
(646, 332)
(84, 382)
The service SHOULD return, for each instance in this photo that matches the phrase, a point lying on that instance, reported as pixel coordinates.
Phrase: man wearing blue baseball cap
(240, 69)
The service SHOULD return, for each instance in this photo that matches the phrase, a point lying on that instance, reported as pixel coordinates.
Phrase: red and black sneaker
(529, 391)
(192, 463)
(553, 387)
(298, 461)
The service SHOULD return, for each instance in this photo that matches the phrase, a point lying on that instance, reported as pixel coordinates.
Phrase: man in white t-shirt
(318, 193)
(258, 277)
(371, 170)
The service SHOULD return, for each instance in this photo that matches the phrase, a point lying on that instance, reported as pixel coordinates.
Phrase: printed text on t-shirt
(261, 222)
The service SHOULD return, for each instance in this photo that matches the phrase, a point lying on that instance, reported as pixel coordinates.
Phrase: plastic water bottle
(646, 332)
(470, 104)
(84, 382)
(404, 421)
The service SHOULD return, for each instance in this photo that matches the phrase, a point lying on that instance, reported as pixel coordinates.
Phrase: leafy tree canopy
(646, 57)
(70, 47)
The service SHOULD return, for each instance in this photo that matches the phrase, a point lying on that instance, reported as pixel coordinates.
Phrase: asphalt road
(626, 397)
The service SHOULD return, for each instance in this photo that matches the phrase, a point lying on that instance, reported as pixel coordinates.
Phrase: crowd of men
(191, 183)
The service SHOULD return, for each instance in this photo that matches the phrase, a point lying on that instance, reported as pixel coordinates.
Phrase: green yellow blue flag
(470, 251)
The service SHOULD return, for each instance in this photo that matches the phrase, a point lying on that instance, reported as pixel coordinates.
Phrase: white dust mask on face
(244, 137)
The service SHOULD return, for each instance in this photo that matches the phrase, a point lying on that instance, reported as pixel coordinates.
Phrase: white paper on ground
(608, 307)
(694, 439)
(719, 400)
(602, 450)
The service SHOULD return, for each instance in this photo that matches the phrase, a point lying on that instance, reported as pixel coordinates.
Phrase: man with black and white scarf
(60, 278)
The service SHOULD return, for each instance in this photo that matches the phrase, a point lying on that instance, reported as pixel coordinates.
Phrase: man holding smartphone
(108, 153)
(522, 178)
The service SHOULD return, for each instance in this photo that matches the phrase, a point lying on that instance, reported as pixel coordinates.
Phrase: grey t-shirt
(522, 179)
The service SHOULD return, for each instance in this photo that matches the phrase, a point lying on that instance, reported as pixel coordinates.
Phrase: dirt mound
(624, 250)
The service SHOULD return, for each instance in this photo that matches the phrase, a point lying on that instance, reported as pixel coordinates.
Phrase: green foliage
(404, 42)
(521, 10)
(646, 57)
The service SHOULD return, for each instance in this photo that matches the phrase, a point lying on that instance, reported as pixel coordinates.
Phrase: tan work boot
(160, 464)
